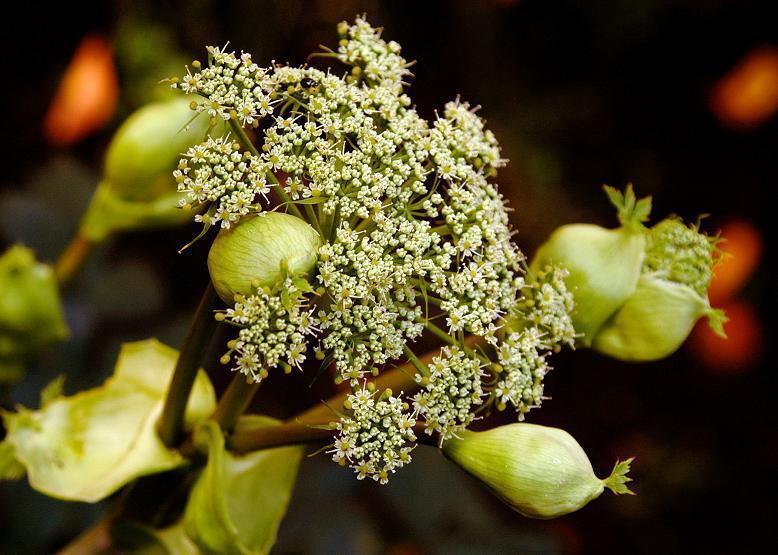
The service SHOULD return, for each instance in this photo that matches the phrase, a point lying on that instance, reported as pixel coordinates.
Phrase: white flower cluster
(547, 305)
(369, 278)
(273, 327)
(523, 360)
(217, 174)
(414, 231)
(450, 392)
(461, 146)
(377, 438)
(378, 61)
(234, 87)
(349, 148)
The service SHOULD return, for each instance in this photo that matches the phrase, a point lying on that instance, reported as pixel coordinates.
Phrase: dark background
(579, 94)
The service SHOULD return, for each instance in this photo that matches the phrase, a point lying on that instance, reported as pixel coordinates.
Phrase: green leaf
(134, 537)
(85, 447)
(10, 468)
(238, 502)
(617, 481)
(632, 212)
(52, 390)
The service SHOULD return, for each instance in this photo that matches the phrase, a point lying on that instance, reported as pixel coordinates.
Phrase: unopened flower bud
(30, 310)
(146, 148)
(538, 471)
(671, 295)
(138, 189)
(260, 251)
(603, 264)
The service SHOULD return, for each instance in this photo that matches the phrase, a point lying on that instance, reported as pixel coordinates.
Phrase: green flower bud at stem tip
(671, 295)
(538, 471)
(31, 314)
(146, 148)
(604, 264)
(655, 321)
(260, 251)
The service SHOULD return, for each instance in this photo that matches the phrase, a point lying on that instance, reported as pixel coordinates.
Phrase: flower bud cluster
(450, 392)
(413, 231)
(523, 360)
(273, 327)
(378, 61)
(377, 437)
(374, 307)
(218, 175)
(232, 86)
(680, 253)
(547, 305)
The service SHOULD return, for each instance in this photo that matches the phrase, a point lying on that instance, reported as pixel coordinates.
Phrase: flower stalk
(189, 360)
(72, 259)
(234, 401)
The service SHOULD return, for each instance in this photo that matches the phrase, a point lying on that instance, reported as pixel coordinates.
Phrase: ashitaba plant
(345, 229)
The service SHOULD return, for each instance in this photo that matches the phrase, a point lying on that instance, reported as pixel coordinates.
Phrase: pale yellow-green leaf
(87, 446)
(10, 468)
(238, 502)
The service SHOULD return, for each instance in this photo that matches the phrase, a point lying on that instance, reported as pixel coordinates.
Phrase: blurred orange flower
(87, 95)
(742, 246)
(747, 96)
(741, 350)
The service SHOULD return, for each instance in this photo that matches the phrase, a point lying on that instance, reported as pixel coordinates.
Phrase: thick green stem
(234, 401)
(189, 360)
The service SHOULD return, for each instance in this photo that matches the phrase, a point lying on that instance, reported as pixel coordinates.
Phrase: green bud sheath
(604, 264)
(30, 310)
(260, 251)
(146, 148)
(538, 471)
(670, 296)
(655, 321)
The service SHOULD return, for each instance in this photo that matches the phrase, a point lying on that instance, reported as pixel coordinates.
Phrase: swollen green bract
(260, 251)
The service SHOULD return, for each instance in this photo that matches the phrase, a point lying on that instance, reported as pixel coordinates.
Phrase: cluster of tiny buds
(218, 175)
(680, 253)
(377, 436)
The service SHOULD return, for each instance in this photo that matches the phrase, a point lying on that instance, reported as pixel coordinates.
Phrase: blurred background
(679, 98)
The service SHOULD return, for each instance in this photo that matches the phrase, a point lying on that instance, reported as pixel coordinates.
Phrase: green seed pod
(604, 264)
(260, 251)
(670, 297)
(144, 151)
(30, 310)
(539, 472)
